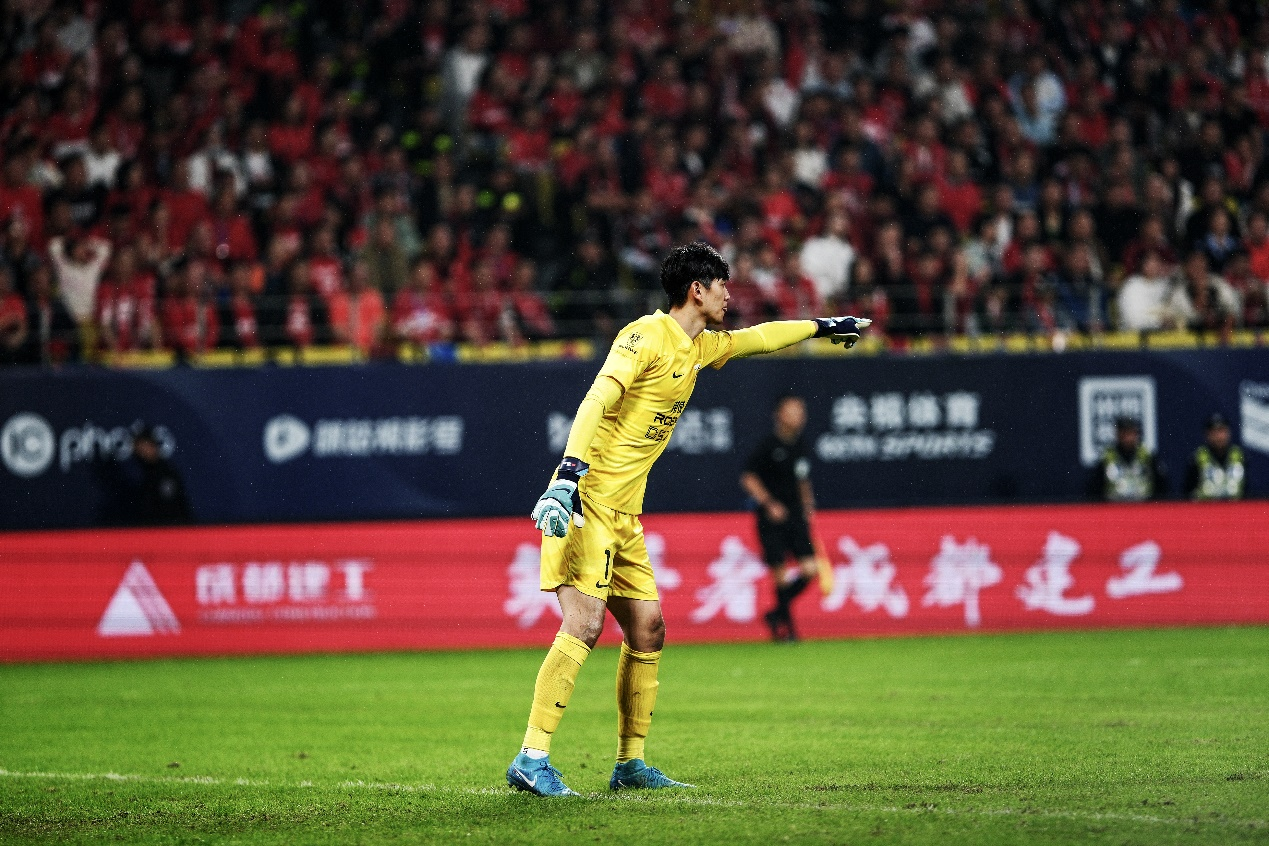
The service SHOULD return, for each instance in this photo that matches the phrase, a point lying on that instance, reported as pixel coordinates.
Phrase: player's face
(714, 300)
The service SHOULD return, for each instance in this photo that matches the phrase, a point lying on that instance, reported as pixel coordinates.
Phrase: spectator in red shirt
(1154, 239)
(310, 199)
(302, 315)
(420, 314)
(666, 179)
(126, 309)
(497, 251)
(190, 323)
(231, 229)
(202, 249)
(780, 208)
(665, 95)
(514, 58)
(132, 195)
(325, 267)
(530, 319)
(480, 312)
(126, 123)
(798, 298)
(19, 198)
(960, 198)
(1165, 30)
(23, 120)
(748, 305)
(155, 239)
(286, 230)
(240, 326)
(564, 103)
(1195, 87)
(1257, 244)
(529, 144)
(45, 63)
(291, 137)
(185, 205)
(13, 317)
(865, 298)
(491, 108)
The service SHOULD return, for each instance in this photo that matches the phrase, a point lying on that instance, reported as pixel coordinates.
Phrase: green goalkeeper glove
(841, 330)
(561, 502)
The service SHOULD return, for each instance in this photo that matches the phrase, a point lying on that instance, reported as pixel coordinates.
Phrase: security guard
(1127, 472)
(1217, 470)
(161, 497)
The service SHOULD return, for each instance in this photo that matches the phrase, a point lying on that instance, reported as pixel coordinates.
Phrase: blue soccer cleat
(537, 777)
(637, 775)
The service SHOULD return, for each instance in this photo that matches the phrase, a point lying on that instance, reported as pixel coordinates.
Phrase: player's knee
(586, 629)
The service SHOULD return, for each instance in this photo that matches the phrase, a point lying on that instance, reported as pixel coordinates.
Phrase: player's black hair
(688, 263)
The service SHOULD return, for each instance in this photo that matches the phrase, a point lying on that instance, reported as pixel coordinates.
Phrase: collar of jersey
(680, 337)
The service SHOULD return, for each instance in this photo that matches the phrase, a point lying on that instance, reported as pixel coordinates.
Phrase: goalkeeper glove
(562, 502)
(841, 330)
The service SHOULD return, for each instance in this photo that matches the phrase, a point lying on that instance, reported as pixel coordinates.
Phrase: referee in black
(778, 479)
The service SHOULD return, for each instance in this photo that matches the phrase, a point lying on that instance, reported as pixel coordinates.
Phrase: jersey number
(607, 569)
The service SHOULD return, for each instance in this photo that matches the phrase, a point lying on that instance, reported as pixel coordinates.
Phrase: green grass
(1130, 737)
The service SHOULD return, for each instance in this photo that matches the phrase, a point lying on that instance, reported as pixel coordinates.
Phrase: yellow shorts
(606, 557)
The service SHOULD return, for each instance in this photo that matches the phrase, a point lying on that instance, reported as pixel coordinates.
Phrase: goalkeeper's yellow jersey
(656, 364)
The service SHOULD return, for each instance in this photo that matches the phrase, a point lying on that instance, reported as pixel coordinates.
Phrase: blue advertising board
(278, 444)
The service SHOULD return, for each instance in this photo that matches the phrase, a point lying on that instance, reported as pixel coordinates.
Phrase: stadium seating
(229, 184)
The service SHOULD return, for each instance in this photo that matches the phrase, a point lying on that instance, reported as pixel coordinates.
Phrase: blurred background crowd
(189, 175)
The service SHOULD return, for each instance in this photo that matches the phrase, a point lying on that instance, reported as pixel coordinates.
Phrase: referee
(778, 479)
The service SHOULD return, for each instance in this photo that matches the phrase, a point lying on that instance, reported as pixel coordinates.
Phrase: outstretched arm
(769, 337)
(778, 334)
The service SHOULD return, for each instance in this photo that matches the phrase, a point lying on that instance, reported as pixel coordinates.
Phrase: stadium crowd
(188, 175)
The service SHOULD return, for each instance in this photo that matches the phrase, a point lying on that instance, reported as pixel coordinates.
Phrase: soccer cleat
(637, 775)
(537, 777)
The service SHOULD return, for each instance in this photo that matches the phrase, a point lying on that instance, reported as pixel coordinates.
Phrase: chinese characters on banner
(465, 584)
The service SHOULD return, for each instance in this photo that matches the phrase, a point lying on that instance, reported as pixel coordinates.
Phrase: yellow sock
(636, 695)
(553, 689)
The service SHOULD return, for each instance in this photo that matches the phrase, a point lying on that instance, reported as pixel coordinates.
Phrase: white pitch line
(661, 798)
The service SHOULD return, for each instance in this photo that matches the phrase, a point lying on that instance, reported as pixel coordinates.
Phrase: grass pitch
(1130, 737)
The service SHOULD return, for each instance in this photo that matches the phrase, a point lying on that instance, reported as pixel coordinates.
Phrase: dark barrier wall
(395, 441)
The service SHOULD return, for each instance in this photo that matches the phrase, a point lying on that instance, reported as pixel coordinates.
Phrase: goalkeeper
(593, 553)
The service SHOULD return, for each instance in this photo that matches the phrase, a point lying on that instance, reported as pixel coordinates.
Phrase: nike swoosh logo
(678, 375)
(558, 705)
(598, 585)
(532, 782)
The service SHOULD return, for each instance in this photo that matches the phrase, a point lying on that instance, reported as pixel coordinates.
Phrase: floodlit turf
(1142, 737)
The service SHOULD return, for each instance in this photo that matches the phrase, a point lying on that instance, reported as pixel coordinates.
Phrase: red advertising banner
(474, 583)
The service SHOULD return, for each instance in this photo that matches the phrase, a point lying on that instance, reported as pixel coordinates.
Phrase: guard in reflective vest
(1217, 470)
(1128, 471)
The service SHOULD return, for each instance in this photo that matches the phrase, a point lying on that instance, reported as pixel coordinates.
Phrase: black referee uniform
(783, 467)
